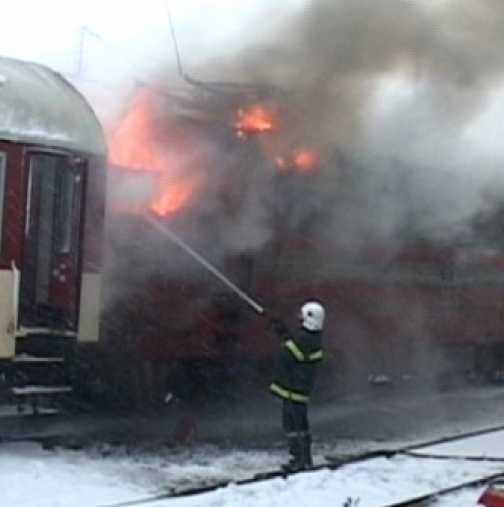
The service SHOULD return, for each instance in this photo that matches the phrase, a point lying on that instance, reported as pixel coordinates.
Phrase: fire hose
(168, 233)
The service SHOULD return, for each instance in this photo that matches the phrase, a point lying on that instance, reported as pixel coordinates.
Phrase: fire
(139, 144)
(132, 144)
(254, 120)
(259, 119)
(148, 141)
(306, 160)
(172, 196)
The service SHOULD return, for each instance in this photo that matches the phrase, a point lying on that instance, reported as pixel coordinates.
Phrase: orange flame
(138, 144)
(132, 144)
(172, 196)
(257, 119)
(254, 119)
(306, 160)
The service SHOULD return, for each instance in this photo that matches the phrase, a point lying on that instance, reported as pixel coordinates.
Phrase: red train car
(52, 191)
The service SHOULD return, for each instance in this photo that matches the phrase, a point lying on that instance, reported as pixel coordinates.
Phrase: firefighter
(297, 365)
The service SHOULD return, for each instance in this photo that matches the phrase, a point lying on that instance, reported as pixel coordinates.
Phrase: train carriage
(52, 171)
(407, 308)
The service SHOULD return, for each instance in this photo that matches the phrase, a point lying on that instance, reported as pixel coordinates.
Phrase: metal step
(36, 396)
(29, 359)
(40, 390)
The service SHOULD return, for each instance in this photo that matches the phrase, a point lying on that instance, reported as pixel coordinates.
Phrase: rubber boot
(296, 452)
(306, 451)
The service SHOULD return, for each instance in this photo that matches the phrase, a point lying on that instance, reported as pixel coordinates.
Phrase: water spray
(165, 231)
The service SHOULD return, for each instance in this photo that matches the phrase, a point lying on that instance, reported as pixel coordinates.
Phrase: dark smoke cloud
(329, 55)
(330, 61)
(393, 166)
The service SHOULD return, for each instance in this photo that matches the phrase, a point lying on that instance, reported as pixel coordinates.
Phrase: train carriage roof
(39, 106)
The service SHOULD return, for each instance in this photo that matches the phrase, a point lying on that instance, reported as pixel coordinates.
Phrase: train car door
(50, 273)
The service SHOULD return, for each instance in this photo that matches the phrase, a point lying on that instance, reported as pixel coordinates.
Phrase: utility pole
(84, 32)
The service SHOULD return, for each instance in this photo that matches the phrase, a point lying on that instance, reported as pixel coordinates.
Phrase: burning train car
(254, 201)
(52, 191)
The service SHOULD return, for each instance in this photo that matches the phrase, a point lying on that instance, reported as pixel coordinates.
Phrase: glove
(279, 327)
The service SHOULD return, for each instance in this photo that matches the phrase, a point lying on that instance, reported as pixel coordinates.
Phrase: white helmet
(312, 316)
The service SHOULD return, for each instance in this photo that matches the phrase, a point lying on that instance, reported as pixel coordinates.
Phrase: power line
(85, 31)
(174, 40)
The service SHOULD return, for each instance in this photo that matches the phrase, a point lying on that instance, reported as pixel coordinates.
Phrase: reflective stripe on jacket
(287, 394)
(293, 348)
(297, 366)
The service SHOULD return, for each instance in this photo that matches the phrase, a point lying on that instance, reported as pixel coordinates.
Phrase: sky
(106, 48)
(123, 32)
(123, 36)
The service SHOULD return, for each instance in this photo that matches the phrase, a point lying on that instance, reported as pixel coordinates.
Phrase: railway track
(423, 499)
(413, 451)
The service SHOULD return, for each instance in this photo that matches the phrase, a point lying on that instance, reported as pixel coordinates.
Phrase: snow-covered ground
(103, 475)
(33, 477)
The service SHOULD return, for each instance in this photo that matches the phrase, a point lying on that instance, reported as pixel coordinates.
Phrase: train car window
(3, 170)
(43, 169)
(64, 224)
(52, 183)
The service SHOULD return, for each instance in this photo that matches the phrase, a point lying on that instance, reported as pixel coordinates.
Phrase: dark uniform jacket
(297, 366)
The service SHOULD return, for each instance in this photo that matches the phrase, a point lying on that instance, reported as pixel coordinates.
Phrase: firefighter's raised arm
(279, 327)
